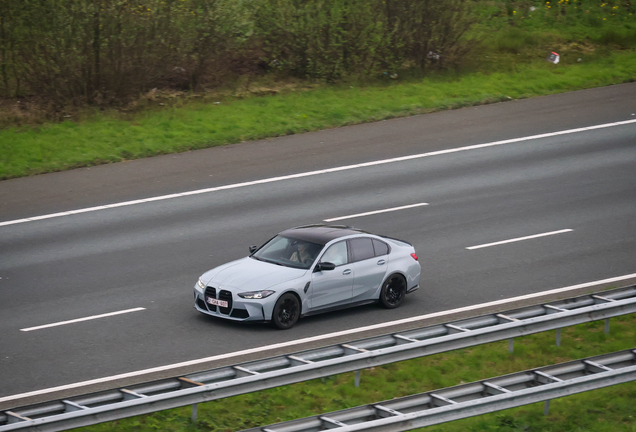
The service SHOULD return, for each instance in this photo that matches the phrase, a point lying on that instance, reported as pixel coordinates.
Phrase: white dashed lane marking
(376, 212)
(519, 239)
(82, 319)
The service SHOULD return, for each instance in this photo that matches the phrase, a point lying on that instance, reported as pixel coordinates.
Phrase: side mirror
(324, 266)
(253, 249)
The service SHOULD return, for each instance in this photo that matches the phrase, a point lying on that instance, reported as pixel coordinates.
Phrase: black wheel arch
(392, 303)
(399, 273)
(300, 301)
(284, 315)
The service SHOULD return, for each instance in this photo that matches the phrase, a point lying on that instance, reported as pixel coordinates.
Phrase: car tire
(286, 312)
(393, 291)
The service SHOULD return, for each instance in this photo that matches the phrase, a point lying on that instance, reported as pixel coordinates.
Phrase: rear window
(361, 249)
(381, 248)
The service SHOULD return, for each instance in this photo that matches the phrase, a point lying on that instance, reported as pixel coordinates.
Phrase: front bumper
(239, 309)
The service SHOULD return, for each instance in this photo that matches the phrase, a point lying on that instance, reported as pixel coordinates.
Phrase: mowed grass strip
(106, 138)
(610, 409)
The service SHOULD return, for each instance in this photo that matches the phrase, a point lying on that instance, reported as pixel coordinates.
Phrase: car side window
(336, 254)
(361, 248)
(380, 247)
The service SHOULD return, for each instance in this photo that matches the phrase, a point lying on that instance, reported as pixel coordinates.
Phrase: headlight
(256, 294)
(201, 284)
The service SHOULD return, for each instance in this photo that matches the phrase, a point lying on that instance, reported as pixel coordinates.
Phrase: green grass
(611, 409)
(105, 138)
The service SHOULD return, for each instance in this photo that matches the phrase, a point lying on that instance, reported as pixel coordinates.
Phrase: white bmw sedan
(308, 270)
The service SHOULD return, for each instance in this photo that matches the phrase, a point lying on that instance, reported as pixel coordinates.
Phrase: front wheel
(286, 311)
(393, 291)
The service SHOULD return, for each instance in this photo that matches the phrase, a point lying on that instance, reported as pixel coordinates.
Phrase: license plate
(215, 302)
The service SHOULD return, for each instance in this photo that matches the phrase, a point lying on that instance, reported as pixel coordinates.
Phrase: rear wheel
(393, 291)
(286, 312)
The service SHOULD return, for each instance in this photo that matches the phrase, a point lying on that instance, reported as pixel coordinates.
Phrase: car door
(370, 261)
(330, 288)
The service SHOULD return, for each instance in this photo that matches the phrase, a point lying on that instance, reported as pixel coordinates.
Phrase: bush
(106, 52)
(430, 33)
(321, 39)
(109, 50)
(331, 38)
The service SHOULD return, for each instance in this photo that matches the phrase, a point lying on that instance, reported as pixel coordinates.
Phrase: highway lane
(150, 255)
(317, 150)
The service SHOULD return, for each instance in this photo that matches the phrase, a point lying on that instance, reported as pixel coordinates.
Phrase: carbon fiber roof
(321, 234)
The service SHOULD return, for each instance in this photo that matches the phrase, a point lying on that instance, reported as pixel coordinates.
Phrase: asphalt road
(149, 255)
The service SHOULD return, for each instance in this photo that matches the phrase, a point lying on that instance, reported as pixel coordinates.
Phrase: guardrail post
(607, 325)
(558, 337)
(511, 345)
(357, 380)
(195, 408)
(546, 408)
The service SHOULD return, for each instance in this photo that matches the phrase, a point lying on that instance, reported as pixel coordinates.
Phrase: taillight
(414, 255)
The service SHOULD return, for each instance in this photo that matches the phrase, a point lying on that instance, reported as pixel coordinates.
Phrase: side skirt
(335, 308)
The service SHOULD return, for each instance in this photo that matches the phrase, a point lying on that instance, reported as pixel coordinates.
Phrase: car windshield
(288, 252)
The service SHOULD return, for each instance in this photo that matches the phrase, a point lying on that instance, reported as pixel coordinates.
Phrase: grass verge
(106, 138)
(609, 409)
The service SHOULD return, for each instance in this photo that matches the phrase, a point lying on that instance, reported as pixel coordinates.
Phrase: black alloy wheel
(393, 291)
(286, 311)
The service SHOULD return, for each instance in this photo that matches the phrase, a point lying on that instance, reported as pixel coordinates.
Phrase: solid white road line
(519, 239)
(313, 173)
(316, 338)
(375, 212)
(82, 319)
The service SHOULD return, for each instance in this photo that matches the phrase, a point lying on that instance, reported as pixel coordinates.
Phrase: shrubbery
(107, 51)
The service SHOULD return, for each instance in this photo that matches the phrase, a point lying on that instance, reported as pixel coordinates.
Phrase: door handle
(346, 272)
(381, 262)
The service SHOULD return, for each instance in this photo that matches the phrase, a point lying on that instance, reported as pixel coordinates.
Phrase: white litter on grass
(553, 57)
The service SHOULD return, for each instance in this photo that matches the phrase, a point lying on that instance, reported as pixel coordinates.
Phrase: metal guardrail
(467, 400)
(282, 370)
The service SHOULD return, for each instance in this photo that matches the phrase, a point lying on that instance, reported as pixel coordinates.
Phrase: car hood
(248, 274)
